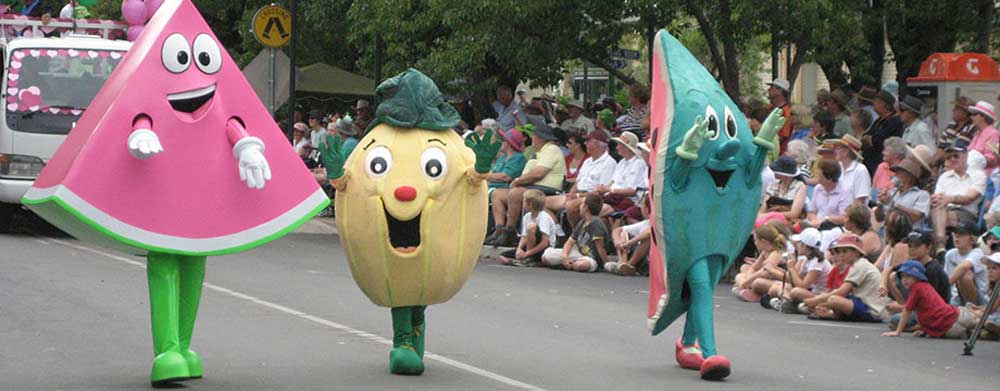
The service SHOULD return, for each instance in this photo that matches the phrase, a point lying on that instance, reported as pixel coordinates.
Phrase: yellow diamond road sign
(272, 25)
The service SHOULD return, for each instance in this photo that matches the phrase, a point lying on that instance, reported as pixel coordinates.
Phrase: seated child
(937, 318)
(538, 232)
(631, 243)
(584, 251)
(967, 275)
(807, 275)
(770, 241)
(858, 299)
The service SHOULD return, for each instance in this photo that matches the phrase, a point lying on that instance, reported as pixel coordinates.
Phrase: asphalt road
(289, 316)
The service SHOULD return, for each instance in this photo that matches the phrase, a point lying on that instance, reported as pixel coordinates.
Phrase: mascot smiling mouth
(404, 236)
(720, 177)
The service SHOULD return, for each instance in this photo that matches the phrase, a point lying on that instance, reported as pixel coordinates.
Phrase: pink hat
(514, 137)
(984, 108)
(301, 127)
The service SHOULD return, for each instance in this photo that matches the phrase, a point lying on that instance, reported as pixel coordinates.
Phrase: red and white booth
(944, 77)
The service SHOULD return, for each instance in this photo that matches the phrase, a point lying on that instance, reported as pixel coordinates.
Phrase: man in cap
(509, 113)
(886, 125)
(317, 131)
(963, 264)
(577, 123)
(596, 171)
(907, 197)
(960, 126)
(957, 193)
(777, 92)
(917, 132)
(836, 106)
(545, 172)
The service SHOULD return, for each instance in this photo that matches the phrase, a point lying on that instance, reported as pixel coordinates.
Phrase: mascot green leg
(163, 274)
(192, 276)
(699, 324)
(419, 329)
(404, 360)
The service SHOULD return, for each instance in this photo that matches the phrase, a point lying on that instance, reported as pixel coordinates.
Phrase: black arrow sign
(275, 23)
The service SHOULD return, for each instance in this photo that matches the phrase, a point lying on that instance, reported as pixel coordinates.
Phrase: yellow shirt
(551, 157)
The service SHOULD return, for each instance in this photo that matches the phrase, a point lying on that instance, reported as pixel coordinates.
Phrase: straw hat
(628, 140)
(851, 143)
(922, 154)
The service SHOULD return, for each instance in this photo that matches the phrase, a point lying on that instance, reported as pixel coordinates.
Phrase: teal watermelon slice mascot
(705, 193)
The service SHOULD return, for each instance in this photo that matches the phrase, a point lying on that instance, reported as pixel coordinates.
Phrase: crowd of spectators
(872, 214)
(869, 212)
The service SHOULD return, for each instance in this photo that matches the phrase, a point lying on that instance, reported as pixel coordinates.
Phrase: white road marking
(315, 319)
(834, 324)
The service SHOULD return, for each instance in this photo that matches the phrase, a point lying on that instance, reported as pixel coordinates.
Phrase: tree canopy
(471, 46)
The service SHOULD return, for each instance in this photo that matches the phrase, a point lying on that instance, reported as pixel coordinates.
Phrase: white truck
(47, 84)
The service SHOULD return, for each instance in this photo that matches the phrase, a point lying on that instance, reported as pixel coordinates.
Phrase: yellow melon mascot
(411, 207)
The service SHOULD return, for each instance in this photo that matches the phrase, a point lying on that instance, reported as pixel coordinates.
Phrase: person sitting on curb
(858, 300)
(966, 273)
(919, 245)
(631, 243)
(538, 232)
(584, 251)
(807, 273)
(937, 318)
(771, 243)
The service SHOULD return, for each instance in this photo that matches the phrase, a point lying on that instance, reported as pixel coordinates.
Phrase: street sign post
(272, 26)
(625, 54)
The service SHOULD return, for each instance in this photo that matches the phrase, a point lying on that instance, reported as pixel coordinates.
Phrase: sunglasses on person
(954, 156)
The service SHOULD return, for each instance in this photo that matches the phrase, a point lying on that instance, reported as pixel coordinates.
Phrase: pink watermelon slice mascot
(176, 159)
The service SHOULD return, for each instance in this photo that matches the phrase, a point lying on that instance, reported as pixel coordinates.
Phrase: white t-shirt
(545, 225)
(951, 184)
(630, 174)
(822, 266)
(856, 180)
(595, 172)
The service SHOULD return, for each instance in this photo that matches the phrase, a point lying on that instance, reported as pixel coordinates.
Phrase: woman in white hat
(983, 118)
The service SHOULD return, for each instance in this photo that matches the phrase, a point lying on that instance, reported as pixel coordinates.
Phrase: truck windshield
(48, 89)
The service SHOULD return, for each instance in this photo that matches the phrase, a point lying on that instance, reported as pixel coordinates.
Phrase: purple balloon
(134, 12)
(151, 7)
(134, 31)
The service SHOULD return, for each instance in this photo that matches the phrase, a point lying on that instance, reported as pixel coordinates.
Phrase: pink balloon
(134, 12)
(134, 31)
(151, 7)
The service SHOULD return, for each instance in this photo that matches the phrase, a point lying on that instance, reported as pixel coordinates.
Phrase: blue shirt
(511, 165)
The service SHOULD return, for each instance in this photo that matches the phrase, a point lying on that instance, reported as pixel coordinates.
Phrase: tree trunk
(873, 26)
(801, 49)
(731, 72)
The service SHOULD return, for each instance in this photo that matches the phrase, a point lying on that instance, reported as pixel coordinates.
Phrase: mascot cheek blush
(169, 161)
(706, 191)
(411, 207)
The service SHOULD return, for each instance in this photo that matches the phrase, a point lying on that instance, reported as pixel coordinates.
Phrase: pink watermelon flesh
(189, 198)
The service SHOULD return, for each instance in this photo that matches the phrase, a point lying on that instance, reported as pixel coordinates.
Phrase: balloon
(134, 31)
(151, 7)
(86, 3)
(134, 12)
